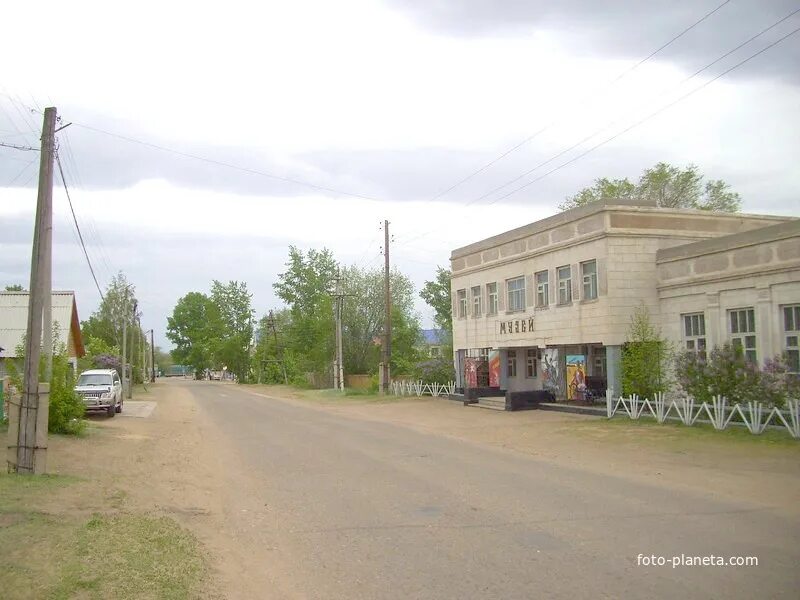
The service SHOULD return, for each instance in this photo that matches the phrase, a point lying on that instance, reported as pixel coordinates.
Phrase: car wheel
(119, 406)
(111, 410)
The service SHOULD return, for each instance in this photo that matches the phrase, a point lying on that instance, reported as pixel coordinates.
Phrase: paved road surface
(374, 510)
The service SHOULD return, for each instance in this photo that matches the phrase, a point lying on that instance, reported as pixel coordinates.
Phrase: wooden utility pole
(27, 432)
(338, 375)
(130, 379)
(152, 359)
(387, 327)
(278, 350)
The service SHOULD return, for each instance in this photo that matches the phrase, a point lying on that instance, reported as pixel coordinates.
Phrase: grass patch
(16, 491)
(356, 396)
(128, 556)
(116, 555)
(626, 429)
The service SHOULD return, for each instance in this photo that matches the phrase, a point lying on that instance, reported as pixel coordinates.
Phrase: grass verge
(681, 436)
(61, 553)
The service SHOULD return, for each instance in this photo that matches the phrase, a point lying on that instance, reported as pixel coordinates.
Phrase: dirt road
(421, 500)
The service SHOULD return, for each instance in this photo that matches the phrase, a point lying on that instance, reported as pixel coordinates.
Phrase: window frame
(532, 363)
(542, 289)
(790, 315)
(744, 338)
(511, 363)
(693, 333)
(492, 299)
(592, 283)
(461, 296)
(519, 293)
(477, 301)
(564, 285)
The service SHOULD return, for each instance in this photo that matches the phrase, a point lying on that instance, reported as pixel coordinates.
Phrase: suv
(101, 389)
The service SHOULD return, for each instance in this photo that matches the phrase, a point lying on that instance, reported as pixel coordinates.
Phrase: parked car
(101, 389)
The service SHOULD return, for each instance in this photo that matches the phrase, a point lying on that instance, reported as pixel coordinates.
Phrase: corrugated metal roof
(14, 319)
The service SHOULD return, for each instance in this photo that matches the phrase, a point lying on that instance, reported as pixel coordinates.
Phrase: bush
(66, 412)
(726, 372)
(436, 370)
(645, 358)
(66, 407)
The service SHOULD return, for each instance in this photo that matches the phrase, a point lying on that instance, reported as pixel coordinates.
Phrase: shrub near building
(726, 372)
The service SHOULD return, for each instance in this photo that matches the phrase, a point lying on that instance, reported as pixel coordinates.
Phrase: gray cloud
(631, 30)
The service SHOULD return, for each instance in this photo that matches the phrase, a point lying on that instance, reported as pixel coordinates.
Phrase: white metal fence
(754, 415)
(418, 388)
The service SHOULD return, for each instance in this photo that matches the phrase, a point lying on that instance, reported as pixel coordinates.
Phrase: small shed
(14, 323)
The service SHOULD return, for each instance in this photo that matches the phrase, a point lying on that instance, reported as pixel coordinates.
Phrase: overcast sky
(380, 107)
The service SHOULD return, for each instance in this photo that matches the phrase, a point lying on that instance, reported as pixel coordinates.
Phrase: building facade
(547, 306)
(14, 322)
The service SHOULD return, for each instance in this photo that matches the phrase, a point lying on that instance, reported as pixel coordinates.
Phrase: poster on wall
(471, 372)
(552, 375)
(494, 368)
(576, 377)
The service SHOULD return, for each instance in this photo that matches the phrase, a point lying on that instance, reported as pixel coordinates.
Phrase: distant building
(14, 323)
(433, 342)
(548, 305)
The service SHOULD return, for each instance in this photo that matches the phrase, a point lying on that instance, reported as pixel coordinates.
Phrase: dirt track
(268, 512)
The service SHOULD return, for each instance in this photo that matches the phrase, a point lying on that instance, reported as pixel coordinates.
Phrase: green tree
(119, 306)
(194, 328)
(665, 185)
(645, 357)
(436, 294)
(270, 348)
(363, 316)
(14, 288)
(305, 286)
(233, 305)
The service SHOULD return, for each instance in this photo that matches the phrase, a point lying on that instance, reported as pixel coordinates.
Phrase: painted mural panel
(494, 368)
(471, 372)
(552, 372)
(576, 377)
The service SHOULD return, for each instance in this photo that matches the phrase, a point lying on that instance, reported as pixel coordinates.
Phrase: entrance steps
(492, 403)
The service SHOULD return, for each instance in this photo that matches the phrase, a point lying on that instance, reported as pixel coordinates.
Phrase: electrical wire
(227, 165)
(559, 118)
(647, 118)
(77, 227)
(607, 126)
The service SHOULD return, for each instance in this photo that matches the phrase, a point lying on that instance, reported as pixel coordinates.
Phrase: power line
(557, 119)
(17, 147)
(227, 165)
(629, 128)
(647, 118)
(77, 227)
(18, 175)
(598, 131)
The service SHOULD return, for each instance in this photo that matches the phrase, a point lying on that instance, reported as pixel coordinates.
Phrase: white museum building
(547, 306)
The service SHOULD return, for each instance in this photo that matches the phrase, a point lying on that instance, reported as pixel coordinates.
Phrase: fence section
(754, 415)
(418, 388)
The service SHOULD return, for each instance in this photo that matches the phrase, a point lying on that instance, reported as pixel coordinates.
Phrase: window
(742, 330)
(511, 363)
(589, 275)
(694, 333)
(462, 303)
(491, 291)
(564, 285)
(476, 301)
(542, 288)
(530, 363)
(516, 294)
(791, 329)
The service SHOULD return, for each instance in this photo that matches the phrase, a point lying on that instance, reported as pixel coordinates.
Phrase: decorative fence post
(793, 425)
